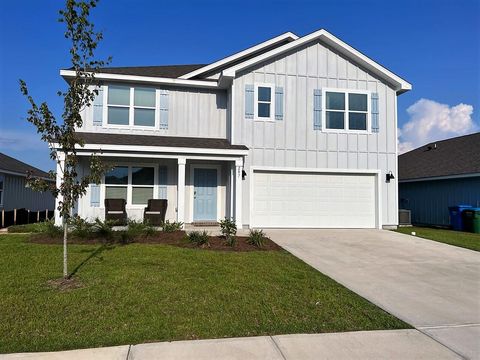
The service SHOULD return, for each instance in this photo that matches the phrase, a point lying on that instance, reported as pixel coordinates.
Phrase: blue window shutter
(98, 107)
(317, 109)
(249, 101)
(163, 109)
(162, 182)
(375, 113)
(279, 103)
(94, 195)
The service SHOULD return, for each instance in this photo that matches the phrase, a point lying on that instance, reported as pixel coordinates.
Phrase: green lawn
(463, 239)
(140, 293)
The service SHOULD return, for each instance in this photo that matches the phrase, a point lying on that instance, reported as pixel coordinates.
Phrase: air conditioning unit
(404, 217)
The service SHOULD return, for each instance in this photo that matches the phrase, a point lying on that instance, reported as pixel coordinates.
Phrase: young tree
(60, 136)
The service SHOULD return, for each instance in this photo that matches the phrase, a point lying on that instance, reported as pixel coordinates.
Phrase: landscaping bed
(176, 238)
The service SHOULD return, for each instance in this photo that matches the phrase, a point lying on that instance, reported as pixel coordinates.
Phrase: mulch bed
(176, 238)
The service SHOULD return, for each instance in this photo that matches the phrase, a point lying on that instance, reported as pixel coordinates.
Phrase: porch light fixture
(389, 176)
(244, 174)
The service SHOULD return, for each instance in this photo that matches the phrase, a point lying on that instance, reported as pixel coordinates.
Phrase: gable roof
(243, 55)
(456, 156)
(349, 52)
(10, 165)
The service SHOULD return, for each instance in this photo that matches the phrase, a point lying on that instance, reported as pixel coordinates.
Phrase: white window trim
(346, 111)
(272, 102)
(131, 107)
(129, 184)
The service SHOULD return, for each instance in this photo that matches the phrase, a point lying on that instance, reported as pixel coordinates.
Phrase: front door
(205, 194)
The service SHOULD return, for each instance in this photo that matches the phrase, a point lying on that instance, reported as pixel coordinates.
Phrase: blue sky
(433, 44)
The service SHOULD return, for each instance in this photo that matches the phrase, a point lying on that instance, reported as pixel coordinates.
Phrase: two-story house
(292, 132)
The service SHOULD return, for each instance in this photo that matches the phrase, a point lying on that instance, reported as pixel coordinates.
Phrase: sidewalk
(391, 344)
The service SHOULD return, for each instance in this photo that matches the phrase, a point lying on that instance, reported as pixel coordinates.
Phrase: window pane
(142, 175)
(119, 95)
(357, 102)
(144, 117)
(335, 101)
(144, 97)
(116, 192)
(118, 176)
(264, 93)
(141, 195)
(357, 121)
(117, 115)
(264, 110)
(335, 120)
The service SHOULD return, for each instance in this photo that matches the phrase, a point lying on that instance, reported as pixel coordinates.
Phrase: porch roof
(123, 142)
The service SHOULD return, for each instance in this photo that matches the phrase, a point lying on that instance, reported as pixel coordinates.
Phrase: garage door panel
(313, 200)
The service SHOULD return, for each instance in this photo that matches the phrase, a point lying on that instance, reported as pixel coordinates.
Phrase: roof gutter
(69, 74)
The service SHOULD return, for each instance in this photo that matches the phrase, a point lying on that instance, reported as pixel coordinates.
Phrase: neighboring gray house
(438, 175)
(14, 194)
(292, 132)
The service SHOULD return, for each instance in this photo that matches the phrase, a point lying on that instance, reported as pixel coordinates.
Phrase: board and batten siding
(191, 112)
(294, 143)
(429, 200)
(17, 196)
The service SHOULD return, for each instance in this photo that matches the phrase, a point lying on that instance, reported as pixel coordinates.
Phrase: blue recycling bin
(456, 216)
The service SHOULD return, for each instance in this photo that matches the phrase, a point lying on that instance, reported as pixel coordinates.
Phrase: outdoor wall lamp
(389, 176)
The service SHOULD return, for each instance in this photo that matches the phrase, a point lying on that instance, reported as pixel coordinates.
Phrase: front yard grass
(141, 293)
(457, 238)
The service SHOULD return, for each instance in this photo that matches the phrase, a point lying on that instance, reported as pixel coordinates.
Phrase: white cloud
(431, 121)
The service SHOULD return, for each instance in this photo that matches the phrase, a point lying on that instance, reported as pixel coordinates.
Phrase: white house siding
(293, 142)
(192, 112)
(17, 196)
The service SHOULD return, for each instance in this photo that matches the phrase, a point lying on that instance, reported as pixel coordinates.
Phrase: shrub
(256, 238)
(171, 226)
(103, 228)
(45, 227)
(138, 228)
(199, 238)
(81, 227)
(229, 231)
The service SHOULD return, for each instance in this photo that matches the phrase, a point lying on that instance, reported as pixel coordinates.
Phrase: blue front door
(205, 194)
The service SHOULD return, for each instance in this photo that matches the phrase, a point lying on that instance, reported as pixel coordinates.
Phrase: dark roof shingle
(7, 163)
(165, 71)
(456, 156)
(154, 140)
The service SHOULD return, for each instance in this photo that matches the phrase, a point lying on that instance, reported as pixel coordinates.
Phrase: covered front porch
(201, 185)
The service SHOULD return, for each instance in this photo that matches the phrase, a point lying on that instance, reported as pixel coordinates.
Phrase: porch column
(181, 190)
(238, 193)
(59, 179)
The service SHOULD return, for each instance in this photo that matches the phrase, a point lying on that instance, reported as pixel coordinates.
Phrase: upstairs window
(264, 106)
(346, 111)
(131, 106)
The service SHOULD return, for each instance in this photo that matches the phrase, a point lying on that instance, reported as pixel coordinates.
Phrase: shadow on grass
(93, 254)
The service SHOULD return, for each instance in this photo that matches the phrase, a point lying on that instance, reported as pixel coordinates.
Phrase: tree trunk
(65, 233)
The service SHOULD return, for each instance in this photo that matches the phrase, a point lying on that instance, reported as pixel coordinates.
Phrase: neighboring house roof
(229, 66)
(456, 156)
(160, 141)
(13, 166)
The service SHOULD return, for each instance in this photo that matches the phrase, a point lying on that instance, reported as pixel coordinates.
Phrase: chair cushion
(152, 212)
(114, 212)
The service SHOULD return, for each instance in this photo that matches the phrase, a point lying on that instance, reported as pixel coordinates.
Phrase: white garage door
(316, 200)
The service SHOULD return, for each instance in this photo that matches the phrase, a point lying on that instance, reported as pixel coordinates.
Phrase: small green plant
(136, 229)
(228, 229)
(40, 227)
(81, 228)
(256, 238)
(199, 238)
(103, 229)
(171, 226)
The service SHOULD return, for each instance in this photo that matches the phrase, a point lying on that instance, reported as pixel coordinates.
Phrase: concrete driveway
(432, 286)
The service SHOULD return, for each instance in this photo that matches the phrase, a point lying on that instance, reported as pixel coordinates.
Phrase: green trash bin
(471, 220)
